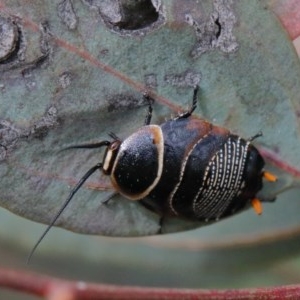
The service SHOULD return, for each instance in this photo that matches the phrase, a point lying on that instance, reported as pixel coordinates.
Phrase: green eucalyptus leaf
(78, 71)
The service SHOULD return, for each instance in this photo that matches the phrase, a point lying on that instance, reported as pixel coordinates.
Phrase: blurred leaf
(289, 13)
(78, 80)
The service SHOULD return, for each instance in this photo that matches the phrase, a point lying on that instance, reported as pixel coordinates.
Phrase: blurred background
(244, 251)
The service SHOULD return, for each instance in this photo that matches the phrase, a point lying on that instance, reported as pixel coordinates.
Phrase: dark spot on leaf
(215, 31)
(130, 16)
(65, 79)
(151, 80)
(46, 36)
(9, 137)
(104, 52)
(38, 62)
(41, 128)
(11, 40)
(8, 38)
(3, 150)
(16, 59)
(218, 32)
(66, 13)
(185, 79)
(136, 14)
(123, 101)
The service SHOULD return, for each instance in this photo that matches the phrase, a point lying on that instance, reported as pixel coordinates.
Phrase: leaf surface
(79, 78)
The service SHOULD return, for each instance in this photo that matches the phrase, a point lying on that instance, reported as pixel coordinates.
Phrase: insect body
(185, 167)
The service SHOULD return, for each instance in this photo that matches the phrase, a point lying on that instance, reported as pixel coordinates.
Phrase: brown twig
(52, 288)
(279, 162)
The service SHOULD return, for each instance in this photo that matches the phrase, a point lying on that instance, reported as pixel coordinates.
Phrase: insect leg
(252, 138)
(161, 222)
(269, 176)
(256, 204)
(149, 114)
(193, 107)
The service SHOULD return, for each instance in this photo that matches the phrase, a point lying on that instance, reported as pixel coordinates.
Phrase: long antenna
(72, 193)
(88, 146)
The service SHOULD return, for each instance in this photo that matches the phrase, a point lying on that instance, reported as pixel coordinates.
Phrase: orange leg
(256, 204)
(269, 176)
